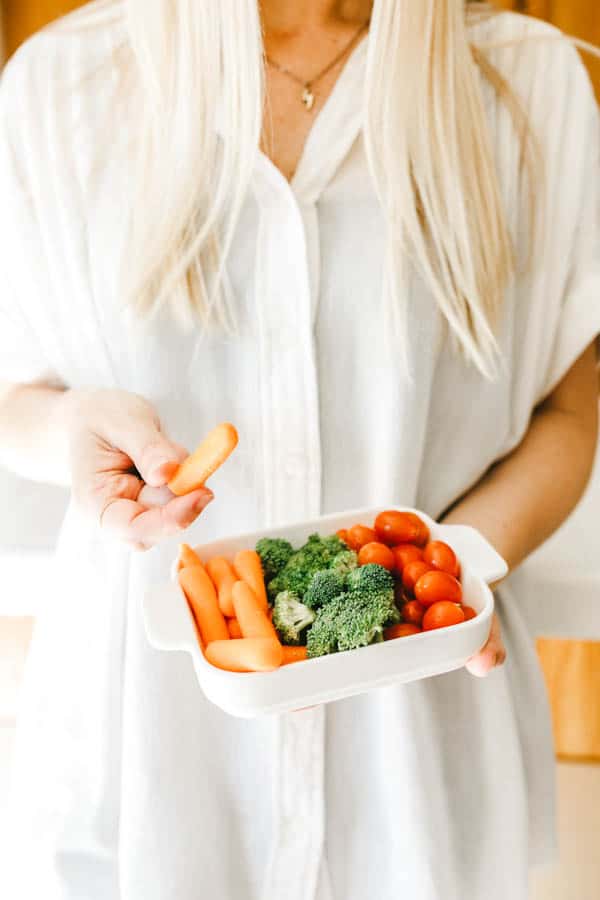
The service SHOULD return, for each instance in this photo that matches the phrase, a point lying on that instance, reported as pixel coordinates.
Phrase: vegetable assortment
(276, 605)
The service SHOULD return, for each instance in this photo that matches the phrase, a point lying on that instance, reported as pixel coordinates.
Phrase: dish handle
(167, 619)
(484, 561)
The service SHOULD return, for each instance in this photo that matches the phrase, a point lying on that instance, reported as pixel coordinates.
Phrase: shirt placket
(285, 283)
(287, 290)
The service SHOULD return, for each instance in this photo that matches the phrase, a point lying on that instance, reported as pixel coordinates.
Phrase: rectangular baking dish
(170, 627)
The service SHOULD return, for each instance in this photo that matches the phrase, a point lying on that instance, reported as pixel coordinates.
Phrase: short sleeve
(577, 176)
(22, 266)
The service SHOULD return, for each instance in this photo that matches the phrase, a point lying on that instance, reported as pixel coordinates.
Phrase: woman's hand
(121, 462)
(492, 654)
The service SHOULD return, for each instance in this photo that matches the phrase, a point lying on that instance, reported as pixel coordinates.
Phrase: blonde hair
(427, 143)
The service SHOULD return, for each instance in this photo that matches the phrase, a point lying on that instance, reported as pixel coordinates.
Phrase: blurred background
(560, 585)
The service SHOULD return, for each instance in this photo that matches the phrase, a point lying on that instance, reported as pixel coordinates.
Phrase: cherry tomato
(469, 612)
(403, 629)
(343, 534)
(376, 553)
(423, 531)
(413, 612)
(412, 572)
(442, 614)
(404, 554)
(440, 556)
(434, 586)
(359, 535)
(394, 527)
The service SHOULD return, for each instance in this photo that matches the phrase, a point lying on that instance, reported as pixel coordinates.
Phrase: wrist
(66, 416)
(494, 533)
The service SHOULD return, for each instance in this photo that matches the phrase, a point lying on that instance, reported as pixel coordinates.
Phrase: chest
(302, 73)
(291, 110)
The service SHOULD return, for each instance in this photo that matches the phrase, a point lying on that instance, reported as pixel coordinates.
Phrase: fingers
(491, 655)
(131, 425)
(155, 457)
(127, 423)
(154, 496)
(142, 526)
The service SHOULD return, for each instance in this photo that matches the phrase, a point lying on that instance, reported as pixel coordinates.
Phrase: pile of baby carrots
(228, 601)
(229, 604)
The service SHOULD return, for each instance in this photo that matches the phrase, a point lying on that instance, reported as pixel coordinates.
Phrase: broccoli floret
(370, 578)
(333, 544)
(356, 618)
(274, 554)
(291, 617)
(324, 586)
(318, 553)
(344, 562)
(395, 615)
(322, 637)
(363, 617)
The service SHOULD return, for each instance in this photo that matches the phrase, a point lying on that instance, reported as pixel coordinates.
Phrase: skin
(304, 36)
(92, 439)
(524, 498)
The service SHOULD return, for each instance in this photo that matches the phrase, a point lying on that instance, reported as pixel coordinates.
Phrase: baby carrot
(224, 578)
(253, 620)
(248, 566)
(245, 655)
(187, 557)
(205, 460)
(234, 629)
(293, 654)
(202, 598)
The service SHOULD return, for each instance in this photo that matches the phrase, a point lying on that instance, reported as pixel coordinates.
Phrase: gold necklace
(307, 96)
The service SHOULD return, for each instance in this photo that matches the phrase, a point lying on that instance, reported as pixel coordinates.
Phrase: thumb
(155, 457)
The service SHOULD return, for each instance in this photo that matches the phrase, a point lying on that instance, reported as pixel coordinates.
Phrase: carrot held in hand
(187, 557)
(293, 654)
(248, 566)
(253, 620)
(233, 626)
(245, 655)
(205, 460)
(224, 578)
(202, 598)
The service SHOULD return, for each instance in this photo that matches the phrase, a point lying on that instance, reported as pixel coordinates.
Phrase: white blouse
(130, 785)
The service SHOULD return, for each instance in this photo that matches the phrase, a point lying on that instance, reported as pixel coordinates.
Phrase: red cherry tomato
(376, 553)
(440, 556)
(406, 553)
(442, 614)
(403, 629)
(469, 612)
(413, 612)
(412, 572)
(434, 586)
(359, 535)
(343, 534)
(423, 531)
(395, 527)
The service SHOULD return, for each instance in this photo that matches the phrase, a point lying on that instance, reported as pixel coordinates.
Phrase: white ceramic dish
(169, 626)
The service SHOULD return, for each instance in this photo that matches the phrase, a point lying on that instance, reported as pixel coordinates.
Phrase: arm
(33, 432)
(524, 498)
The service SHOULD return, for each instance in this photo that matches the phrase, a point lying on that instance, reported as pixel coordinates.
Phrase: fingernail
(161, 465)
(202, 502)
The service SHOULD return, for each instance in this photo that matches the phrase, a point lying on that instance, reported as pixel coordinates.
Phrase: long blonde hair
(427, 143)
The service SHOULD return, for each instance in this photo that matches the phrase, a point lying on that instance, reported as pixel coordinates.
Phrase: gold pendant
(308, 98)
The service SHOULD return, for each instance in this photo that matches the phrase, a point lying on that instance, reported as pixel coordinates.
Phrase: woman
(369, 351)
